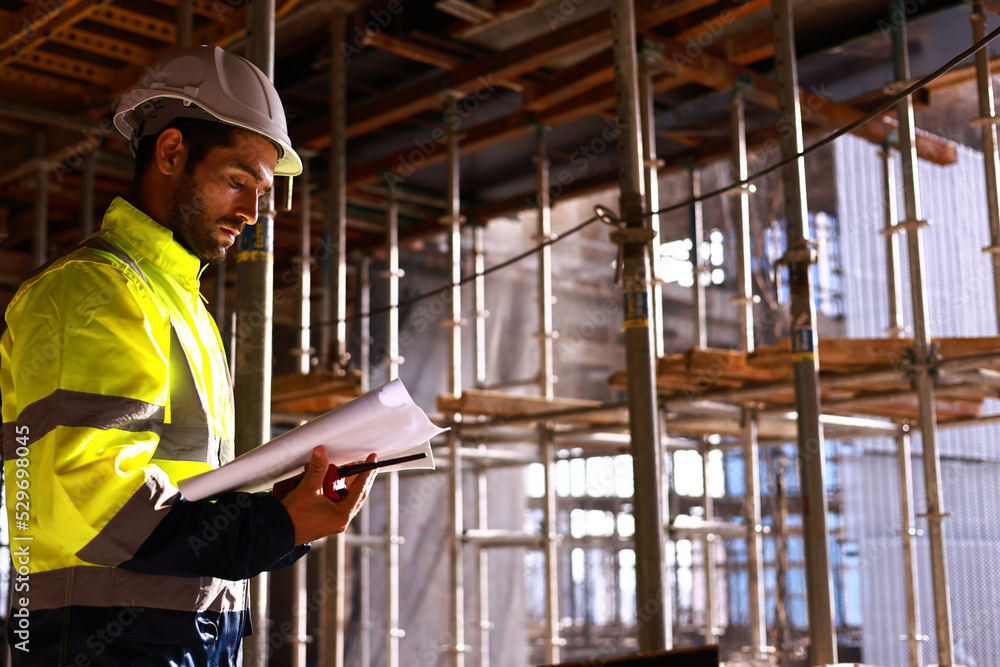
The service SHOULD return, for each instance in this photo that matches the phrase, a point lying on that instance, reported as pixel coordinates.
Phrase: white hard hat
(208, 83)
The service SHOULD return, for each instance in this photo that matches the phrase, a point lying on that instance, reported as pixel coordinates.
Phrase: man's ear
(170, 153)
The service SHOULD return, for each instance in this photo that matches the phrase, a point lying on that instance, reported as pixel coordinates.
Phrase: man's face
(214, 201)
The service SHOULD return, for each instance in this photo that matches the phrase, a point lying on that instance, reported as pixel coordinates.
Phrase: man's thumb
(316, 469)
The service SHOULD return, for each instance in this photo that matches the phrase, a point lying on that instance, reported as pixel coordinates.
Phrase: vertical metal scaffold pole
(652, 164)
(903, 449)
(640, 353)
(482, 483)
(300, 589)
(365, 320)
(304, 260)
(394, 273)
(335, 297)
(700, 322)
(800, 257)
(41, 240)
(751, 453)
(545, 335)
(479, 294)
(922, 348)
(364, 570)
(987, 121)
(545, 383)
(254, 314)
(87, 195)
(453, 219)
(550, 526)
(185, 23)
(708, 545)
(334, 332)
(894, 293)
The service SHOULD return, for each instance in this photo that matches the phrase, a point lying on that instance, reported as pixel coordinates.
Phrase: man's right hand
(313, 514)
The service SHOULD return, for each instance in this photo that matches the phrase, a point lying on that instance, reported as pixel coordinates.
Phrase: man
(115, 386)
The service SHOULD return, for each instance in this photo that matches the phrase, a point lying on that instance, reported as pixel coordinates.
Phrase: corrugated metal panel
(960, 296)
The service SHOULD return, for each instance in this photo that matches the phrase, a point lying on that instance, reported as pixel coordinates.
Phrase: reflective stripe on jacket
(115, 386)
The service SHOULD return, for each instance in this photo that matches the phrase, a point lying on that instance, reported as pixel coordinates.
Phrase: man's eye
(237, 184)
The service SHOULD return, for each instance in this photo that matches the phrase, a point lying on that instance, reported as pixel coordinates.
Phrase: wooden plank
(315, 392)
(716, 73)
(730, 364)
(498, 406)
(104, 46)
(853, 353)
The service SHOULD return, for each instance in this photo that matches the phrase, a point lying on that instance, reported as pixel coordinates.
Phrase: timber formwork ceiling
(513, 64)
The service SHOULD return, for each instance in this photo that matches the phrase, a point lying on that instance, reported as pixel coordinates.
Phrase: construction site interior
(700, 390)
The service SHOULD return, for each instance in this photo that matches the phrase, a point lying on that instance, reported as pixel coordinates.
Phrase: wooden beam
(135, 23)
(233, 26)
(651, 13)
(747, 47)
(35, 22)
(584, 104)
(711, 20)
(44, 81)
(104, 46)
(70, 68)
(570, 82)
(402, 164)
(718, 74)
(14, 267)
(413, 50)
(542, 51)
(212, 9)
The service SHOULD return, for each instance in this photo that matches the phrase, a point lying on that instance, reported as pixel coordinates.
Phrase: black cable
(870, 116)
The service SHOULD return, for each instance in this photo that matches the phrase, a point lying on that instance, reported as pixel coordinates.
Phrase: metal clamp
(801, 251)
(983, 121)
(626, 236)
(740, 190)
(896, 87)
(906, 225)
(607, 216)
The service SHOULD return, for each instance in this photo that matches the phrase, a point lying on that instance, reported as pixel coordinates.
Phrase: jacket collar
(151, 239)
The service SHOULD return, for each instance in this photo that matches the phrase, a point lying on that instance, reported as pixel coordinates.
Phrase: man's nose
(246, 210)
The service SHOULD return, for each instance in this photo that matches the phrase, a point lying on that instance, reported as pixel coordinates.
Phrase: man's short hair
(200, 137)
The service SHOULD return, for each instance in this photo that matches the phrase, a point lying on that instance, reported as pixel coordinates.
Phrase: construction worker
(115, 386)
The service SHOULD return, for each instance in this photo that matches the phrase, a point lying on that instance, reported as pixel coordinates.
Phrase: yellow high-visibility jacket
(115, 386)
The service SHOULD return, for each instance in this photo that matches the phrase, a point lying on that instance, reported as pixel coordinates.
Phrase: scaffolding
(711, 399)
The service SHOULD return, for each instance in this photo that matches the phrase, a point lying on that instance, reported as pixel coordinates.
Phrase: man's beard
(191, 225)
